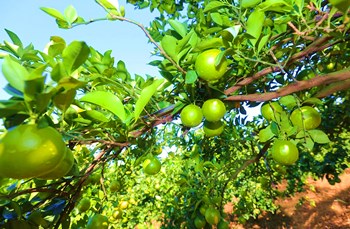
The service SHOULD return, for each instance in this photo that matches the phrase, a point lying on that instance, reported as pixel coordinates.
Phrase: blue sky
(127, 41)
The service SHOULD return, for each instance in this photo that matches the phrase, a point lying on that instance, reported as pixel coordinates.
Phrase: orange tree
(135, 163)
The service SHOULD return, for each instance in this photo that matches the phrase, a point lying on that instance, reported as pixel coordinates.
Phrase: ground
(325, 206)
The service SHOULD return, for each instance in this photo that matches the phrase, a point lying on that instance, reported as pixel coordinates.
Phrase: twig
(145, 32)
(312, 48)
(71, 203)
(244, 166)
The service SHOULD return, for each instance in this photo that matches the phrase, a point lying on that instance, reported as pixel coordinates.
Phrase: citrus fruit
(203, 208)
(115, 186)
(151, 166)
(117, 214)
(284, 152)
(306, 117)
(206, 65)
(223, 225)
(213, 110)
(199, 221)
(84, 205)
(212, 129)
(191, 115)
(123, 204)
(271, 111)
(97, 221)
(62, 169)
(28, 151)
(212, 216)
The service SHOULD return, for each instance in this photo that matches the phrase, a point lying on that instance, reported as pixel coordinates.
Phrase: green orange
(212, 216)
(191, 115)
(213, 110)
(151, 166)
(208, 67)
(97, 221)
(284, 152)
(212, 129)
(306, 117)
(271, 111)
(28, 151)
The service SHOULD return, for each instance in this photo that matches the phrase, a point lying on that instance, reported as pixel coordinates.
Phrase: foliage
(294, 53)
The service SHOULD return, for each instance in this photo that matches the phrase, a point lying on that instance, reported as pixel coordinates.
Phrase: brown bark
(335, 77)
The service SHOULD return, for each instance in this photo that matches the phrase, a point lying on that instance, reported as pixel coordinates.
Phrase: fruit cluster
(304, 118)
(213, 110)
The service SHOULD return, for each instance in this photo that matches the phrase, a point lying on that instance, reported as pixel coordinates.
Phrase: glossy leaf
(74, 55)
(70, 14)
(289, 101)
(14, 38)
(231, 33)
(145, 97)
(63, 100)
(319, 136)
(108, 4)
(213, 5)
(249, 3)
(266, 134)
(169, 45)
(54, 13)
(209, 43)
(216, 17)
(255, 24)
(106, 100)
(14, 73)
(179, 27)
(191, 77)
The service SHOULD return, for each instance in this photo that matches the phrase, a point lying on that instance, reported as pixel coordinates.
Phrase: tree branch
(315, 46)
(299, 86)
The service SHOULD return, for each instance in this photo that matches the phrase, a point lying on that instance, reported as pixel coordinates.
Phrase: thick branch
(297, 86)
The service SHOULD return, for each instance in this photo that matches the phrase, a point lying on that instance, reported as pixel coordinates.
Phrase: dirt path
(326, 206)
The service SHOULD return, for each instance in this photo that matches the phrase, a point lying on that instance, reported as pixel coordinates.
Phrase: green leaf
(70, 14)
(33, 87)
(145, 96)
(216, 17)
(249, 3)
(63, 100)
(263, 41)
(266, 134)
(108, 101)
(179, 27)
(313, 101)
(191, 77)
(209, 43)
(54, 13)
(255, 24)
(96, 115)
(309, 143)
(231, 33)
(213, 5)
(274, 5)
(14, 73)
(11, 107)
(107, 4)
(319, 136)
(57, 45)
(190, 40)
(74, 55)
(14, 38)
(289, 101)
(169, 44)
